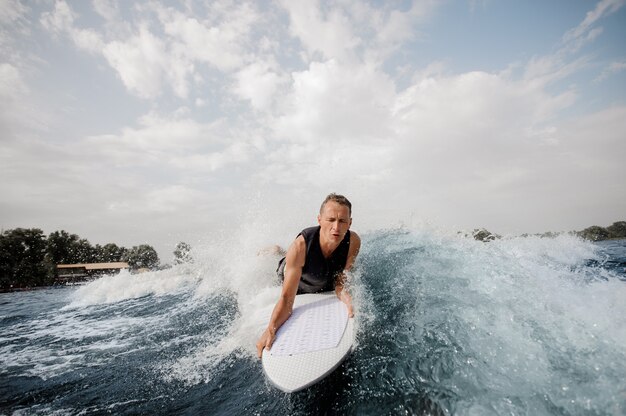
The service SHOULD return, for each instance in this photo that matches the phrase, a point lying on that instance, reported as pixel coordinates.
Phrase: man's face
(334, 221)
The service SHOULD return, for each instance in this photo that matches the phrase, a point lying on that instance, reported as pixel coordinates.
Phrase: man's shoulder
(355, 242)
(309, 231)
(297, 251)
(299, 244)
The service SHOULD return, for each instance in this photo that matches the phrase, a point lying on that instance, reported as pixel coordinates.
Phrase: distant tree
(21, 258)
(84, 252)
(65, 248)
(182, 253)
(142, 256)
(594, 233)
(484, 235)
(617, 229)
(59, 247)
(549, 234)
(110, 253)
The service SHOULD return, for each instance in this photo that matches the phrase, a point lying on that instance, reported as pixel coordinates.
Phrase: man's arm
(294, 262)
(343, 295)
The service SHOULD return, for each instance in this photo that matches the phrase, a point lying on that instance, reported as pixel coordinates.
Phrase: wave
(445, 325)
(514, 325)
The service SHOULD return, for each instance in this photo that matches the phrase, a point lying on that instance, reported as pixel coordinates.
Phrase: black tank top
(319, 273)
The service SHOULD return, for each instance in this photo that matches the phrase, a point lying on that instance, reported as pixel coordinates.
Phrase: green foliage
(484, 235)
(142, 256)
(29, 259)
(22, 254)
(182, 253)
(65, 248)
(110, 253)
(617, 229)
(597, 233)
(594, 233)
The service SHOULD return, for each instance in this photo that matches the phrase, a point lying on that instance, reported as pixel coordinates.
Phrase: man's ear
(319, 219)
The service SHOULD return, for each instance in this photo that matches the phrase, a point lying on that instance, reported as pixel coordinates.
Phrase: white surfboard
(315, 339)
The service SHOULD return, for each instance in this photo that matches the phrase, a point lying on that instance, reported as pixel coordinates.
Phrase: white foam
(124, 285)
(528, 313)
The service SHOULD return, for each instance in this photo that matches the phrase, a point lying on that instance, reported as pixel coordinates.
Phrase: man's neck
(327, 247)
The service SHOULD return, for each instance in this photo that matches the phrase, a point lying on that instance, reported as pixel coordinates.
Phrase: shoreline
(32, 288)
(485, 236)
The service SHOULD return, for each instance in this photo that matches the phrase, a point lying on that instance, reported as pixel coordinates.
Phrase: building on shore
(68, 273)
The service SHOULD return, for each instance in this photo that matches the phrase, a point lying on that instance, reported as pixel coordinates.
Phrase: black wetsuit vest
(319, 273)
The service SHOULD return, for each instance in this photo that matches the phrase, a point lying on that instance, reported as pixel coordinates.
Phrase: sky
(158, 122)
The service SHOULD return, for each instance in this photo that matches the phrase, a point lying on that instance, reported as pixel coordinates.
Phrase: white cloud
(60, 20)
(396, 28)
(258, 83)
(475, 141)
(596, 141)
(88, 40)
(169, 199)
(348, 125)
(331, 102)
(12, 85)
(14, 23)
(157, 138)
(207, 162)
(221, 45)
(352, 30)
(13, 14)
(146, 61)
(547, 69)
(139, 62)
(478, 100)
(460, 148)
(108, 9)
(391, 27)
(440, 121)
(585, 28)
(612, 69)
(15, 107)
(177, 145)
(327, 33)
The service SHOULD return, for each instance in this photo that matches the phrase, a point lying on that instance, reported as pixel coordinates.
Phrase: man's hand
(345, 298)
(266, 341)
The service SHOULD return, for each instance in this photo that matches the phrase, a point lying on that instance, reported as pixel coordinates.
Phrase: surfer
(316, 262)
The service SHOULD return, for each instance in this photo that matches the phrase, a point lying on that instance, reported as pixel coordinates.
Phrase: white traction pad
(315, 351)
(312, 327)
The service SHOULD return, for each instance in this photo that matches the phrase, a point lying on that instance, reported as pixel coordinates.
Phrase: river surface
(445, 326)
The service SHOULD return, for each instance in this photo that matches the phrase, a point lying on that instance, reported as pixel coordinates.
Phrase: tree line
(28, 257)
(596, 233)
(615, 231)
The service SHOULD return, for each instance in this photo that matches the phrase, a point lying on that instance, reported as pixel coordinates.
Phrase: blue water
(445, 325)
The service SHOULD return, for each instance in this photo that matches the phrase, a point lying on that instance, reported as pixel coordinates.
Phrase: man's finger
(270, 341)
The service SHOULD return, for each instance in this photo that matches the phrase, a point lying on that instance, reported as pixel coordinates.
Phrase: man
(316, 262)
